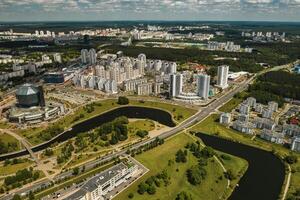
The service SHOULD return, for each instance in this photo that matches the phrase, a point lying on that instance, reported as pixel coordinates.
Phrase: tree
(196, 174)
(142, 188)
(31, 196)
(151, 189)
(114, 139)
(16, 197)
(183, 196)
(123, 100)
(207, 152)
(180, 156)
(130, 195)
(142, 133)
(49, 152)
(229, 175)
(75, 171)
(291, 159)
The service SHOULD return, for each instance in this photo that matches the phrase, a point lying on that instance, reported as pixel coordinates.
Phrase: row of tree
(50, 132)
(21, 176)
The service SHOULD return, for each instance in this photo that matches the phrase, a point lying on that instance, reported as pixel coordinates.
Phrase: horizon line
(146, 20)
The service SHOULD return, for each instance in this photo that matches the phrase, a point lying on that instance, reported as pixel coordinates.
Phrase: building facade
(176, 83)
(222, 81)
(203, 84)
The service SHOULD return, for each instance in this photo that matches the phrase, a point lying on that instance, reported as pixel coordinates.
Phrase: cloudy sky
(100, 10)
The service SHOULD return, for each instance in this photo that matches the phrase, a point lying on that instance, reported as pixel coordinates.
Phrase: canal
(161, 116)
(265, 175)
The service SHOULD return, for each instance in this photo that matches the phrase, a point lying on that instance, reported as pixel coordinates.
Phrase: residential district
(56, 86)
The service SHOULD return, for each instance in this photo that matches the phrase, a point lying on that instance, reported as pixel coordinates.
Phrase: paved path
(287, 183)
(27, 146)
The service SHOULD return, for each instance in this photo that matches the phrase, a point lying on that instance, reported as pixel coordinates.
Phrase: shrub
(123, 100)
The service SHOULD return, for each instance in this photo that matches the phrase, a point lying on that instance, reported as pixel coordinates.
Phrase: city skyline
(189, 10)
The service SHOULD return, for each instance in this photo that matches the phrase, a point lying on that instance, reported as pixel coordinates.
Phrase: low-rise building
(296, 144)
(267, 113)
(35, 115)
(272, 136)
(291, 130)
(259, 108)
(243, 118)
(251, 101)
(273, 106)
(244, 109)
(97, 187)
(263, 123)
(243, 127)
(225, 118)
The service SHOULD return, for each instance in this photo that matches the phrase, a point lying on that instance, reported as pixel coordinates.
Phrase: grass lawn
(237, 165)
(230, 105)
(211, 126)
(10, 139)
(157, 160)
(11, 169)
(134, 126)
(179, 114)
(5, 125)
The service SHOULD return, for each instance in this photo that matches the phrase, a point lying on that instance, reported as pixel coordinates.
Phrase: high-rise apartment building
(92, 56)
(84, 56)
(222, 81)
(203, 83)
(176, 82)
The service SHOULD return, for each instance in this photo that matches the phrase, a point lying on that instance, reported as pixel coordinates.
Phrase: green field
(13, 168)
(157, 160)
(211, 126)
(230, 105)
(134, 126)
(179, 114)
(8, 139)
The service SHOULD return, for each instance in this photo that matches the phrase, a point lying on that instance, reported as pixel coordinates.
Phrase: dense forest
(276, 85)
(273, 54)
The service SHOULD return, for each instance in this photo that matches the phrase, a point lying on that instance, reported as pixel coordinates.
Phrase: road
(199, 116)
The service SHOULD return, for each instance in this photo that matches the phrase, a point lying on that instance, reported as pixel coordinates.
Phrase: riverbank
(178, 113)
(163, 158)
(211, 126)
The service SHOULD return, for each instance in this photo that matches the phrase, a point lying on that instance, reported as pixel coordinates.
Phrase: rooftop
(97, 180)
(27, 89)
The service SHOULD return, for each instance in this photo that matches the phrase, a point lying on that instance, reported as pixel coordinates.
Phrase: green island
(37, 135)
(164, 160)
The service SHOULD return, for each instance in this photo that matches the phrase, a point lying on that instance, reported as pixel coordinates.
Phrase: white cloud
(149, 6)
